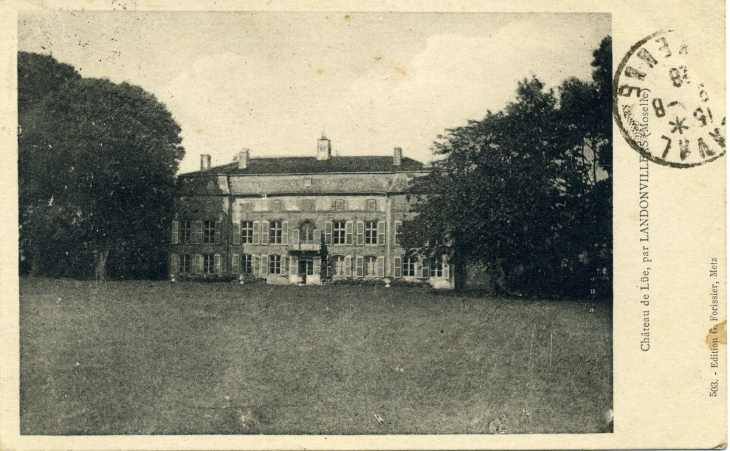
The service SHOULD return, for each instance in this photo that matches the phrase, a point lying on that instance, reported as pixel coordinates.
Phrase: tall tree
(100, 158)
(586, 109)
(517, 190)
(38, 77)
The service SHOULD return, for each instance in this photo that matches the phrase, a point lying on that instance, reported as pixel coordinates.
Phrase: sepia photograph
(315, 223)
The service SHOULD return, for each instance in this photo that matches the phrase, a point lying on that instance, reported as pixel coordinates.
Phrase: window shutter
(381, 233)
(174, 239)
(293, 265)
(198, 266)
(328, 232)
(396, 230)
(264, 232)
(256, 232)
(236, 232)
(217, 232)
(381, 266)
(446, 267)
(264, 265)
(255, 265)
(295, 236)
(316, 236)
(284, 264)
(316, 266)
(174, 263)
(285, 232)
(235, 263)
(197, 231)
(360, 233)
(397, 267)
(217, 263)
(348, 265)
(359, 266)
(348, 232)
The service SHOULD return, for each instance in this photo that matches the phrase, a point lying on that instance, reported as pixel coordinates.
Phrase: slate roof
(310, 165)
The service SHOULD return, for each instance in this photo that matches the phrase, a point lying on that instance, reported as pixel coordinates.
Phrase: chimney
(397, 156)
(243, 159)
(324, 148)
(204, 162)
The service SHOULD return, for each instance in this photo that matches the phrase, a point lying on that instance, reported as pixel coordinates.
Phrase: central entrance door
(306, 268)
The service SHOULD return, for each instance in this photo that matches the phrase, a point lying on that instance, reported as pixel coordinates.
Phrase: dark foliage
(357, 282)
(229, 278)
(96, 168)
(526, 192)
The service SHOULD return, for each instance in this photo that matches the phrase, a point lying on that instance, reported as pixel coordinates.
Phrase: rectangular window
(309, 267)
(275, 205)
(371, 205)
(246, 232)
(396, 232)
(306, 233)
(339, 205)
(197, 232)
(338, 232)
(186, 232)
(247, 264)
(275, 233)
(185, 263)
(338, 265)
(370, 266)
(437, 267)
(208, 232)
(409, 267)
(274, 264)
(371, 232)
(209, 263)
(425, 270)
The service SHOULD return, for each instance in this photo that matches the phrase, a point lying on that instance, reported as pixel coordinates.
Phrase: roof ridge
(310, 164)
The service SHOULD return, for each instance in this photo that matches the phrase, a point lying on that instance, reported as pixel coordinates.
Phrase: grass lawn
(214, 358)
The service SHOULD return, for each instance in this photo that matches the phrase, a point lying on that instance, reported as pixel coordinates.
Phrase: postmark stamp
(662, 106)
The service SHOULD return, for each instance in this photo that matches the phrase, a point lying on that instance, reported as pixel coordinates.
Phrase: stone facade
(299, 220)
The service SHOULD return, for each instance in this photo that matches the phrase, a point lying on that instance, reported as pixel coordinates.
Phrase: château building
(299, 220)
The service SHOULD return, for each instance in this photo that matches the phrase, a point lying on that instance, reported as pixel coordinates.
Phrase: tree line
(525, 193)
(96, 174)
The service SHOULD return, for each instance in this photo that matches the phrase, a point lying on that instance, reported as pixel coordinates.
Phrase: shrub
(359, 282)
(184, 277)
(378, 283)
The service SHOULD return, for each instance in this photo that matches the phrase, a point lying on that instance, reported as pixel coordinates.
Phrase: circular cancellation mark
(663, 109)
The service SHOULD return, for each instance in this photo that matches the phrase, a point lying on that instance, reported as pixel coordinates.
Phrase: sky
(273, 82)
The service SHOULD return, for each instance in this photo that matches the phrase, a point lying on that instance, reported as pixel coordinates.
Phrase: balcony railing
(304, 247)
